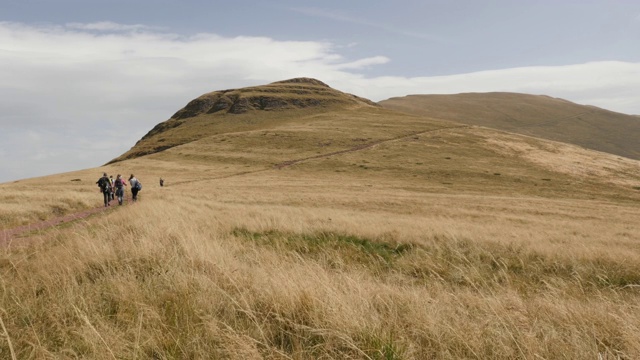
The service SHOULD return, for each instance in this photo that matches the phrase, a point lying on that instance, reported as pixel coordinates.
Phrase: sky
(82, 80)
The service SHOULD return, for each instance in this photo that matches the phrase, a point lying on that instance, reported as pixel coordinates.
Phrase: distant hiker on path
(120, 183)
(135, 187)
(105, 188)
(161, 182)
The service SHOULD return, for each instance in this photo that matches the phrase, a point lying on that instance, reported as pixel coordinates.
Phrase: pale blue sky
(68, 65)
(423, 38)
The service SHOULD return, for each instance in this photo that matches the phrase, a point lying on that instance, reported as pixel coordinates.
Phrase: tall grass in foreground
(243, 282)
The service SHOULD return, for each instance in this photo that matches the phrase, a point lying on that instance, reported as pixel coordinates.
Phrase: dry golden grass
(270, 267)
(416, 239)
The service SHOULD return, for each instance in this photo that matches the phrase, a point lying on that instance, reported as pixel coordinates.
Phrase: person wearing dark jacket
(105, 188)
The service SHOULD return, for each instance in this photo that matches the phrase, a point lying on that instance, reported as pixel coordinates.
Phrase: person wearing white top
(135, 187)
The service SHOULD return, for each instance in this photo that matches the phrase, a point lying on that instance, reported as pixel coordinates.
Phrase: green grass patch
(349, 248)
(456, 262)
(460, 262)
(382, 347)
(463, 262)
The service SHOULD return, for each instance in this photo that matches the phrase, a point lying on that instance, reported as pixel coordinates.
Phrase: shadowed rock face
(239, 105)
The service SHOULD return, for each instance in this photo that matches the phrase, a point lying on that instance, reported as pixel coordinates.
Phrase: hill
(233, 110)
(341, 230)
(534, 115)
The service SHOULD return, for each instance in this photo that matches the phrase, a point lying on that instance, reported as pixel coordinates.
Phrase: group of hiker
(111, 188)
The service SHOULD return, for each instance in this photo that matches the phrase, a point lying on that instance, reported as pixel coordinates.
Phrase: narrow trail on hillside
(289, 163)
(7, 236)
(364, 146)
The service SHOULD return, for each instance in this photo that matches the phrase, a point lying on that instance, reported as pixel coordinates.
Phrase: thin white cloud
(73, 98)
(362, 63)
(320, 13)
(608, 84)
(106, 26)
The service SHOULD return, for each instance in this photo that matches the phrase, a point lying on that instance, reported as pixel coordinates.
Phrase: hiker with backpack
(120, 183)
(135, 187)
(105, 187)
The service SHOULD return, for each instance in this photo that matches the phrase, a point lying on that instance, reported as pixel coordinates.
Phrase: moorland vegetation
(533, 115)
(336, 230)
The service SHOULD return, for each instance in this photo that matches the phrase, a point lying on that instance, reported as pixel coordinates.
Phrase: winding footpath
(7, 236)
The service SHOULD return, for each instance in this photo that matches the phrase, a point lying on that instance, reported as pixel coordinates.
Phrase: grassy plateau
(534, 115)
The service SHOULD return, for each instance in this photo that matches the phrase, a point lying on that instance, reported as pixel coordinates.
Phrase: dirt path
(360, 147)
(7, 236)
(364, 146)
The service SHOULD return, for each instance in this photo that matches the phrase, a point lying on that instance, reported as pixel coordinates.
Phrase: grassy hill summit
(214, 112)
(534, 115)
(300, 222)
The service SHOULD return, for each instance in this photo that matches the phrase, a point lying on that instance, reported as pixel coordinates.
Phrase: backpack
(104, 184)
(138, 185)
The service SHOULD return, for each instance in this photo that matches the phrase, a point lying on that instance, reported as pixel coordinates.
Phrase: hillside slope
(539, 116)
(234, 110)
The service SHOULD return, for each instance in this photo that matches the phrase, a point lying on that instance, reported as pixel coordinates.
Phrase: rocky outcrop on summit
(295, 93)
(303, 80)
